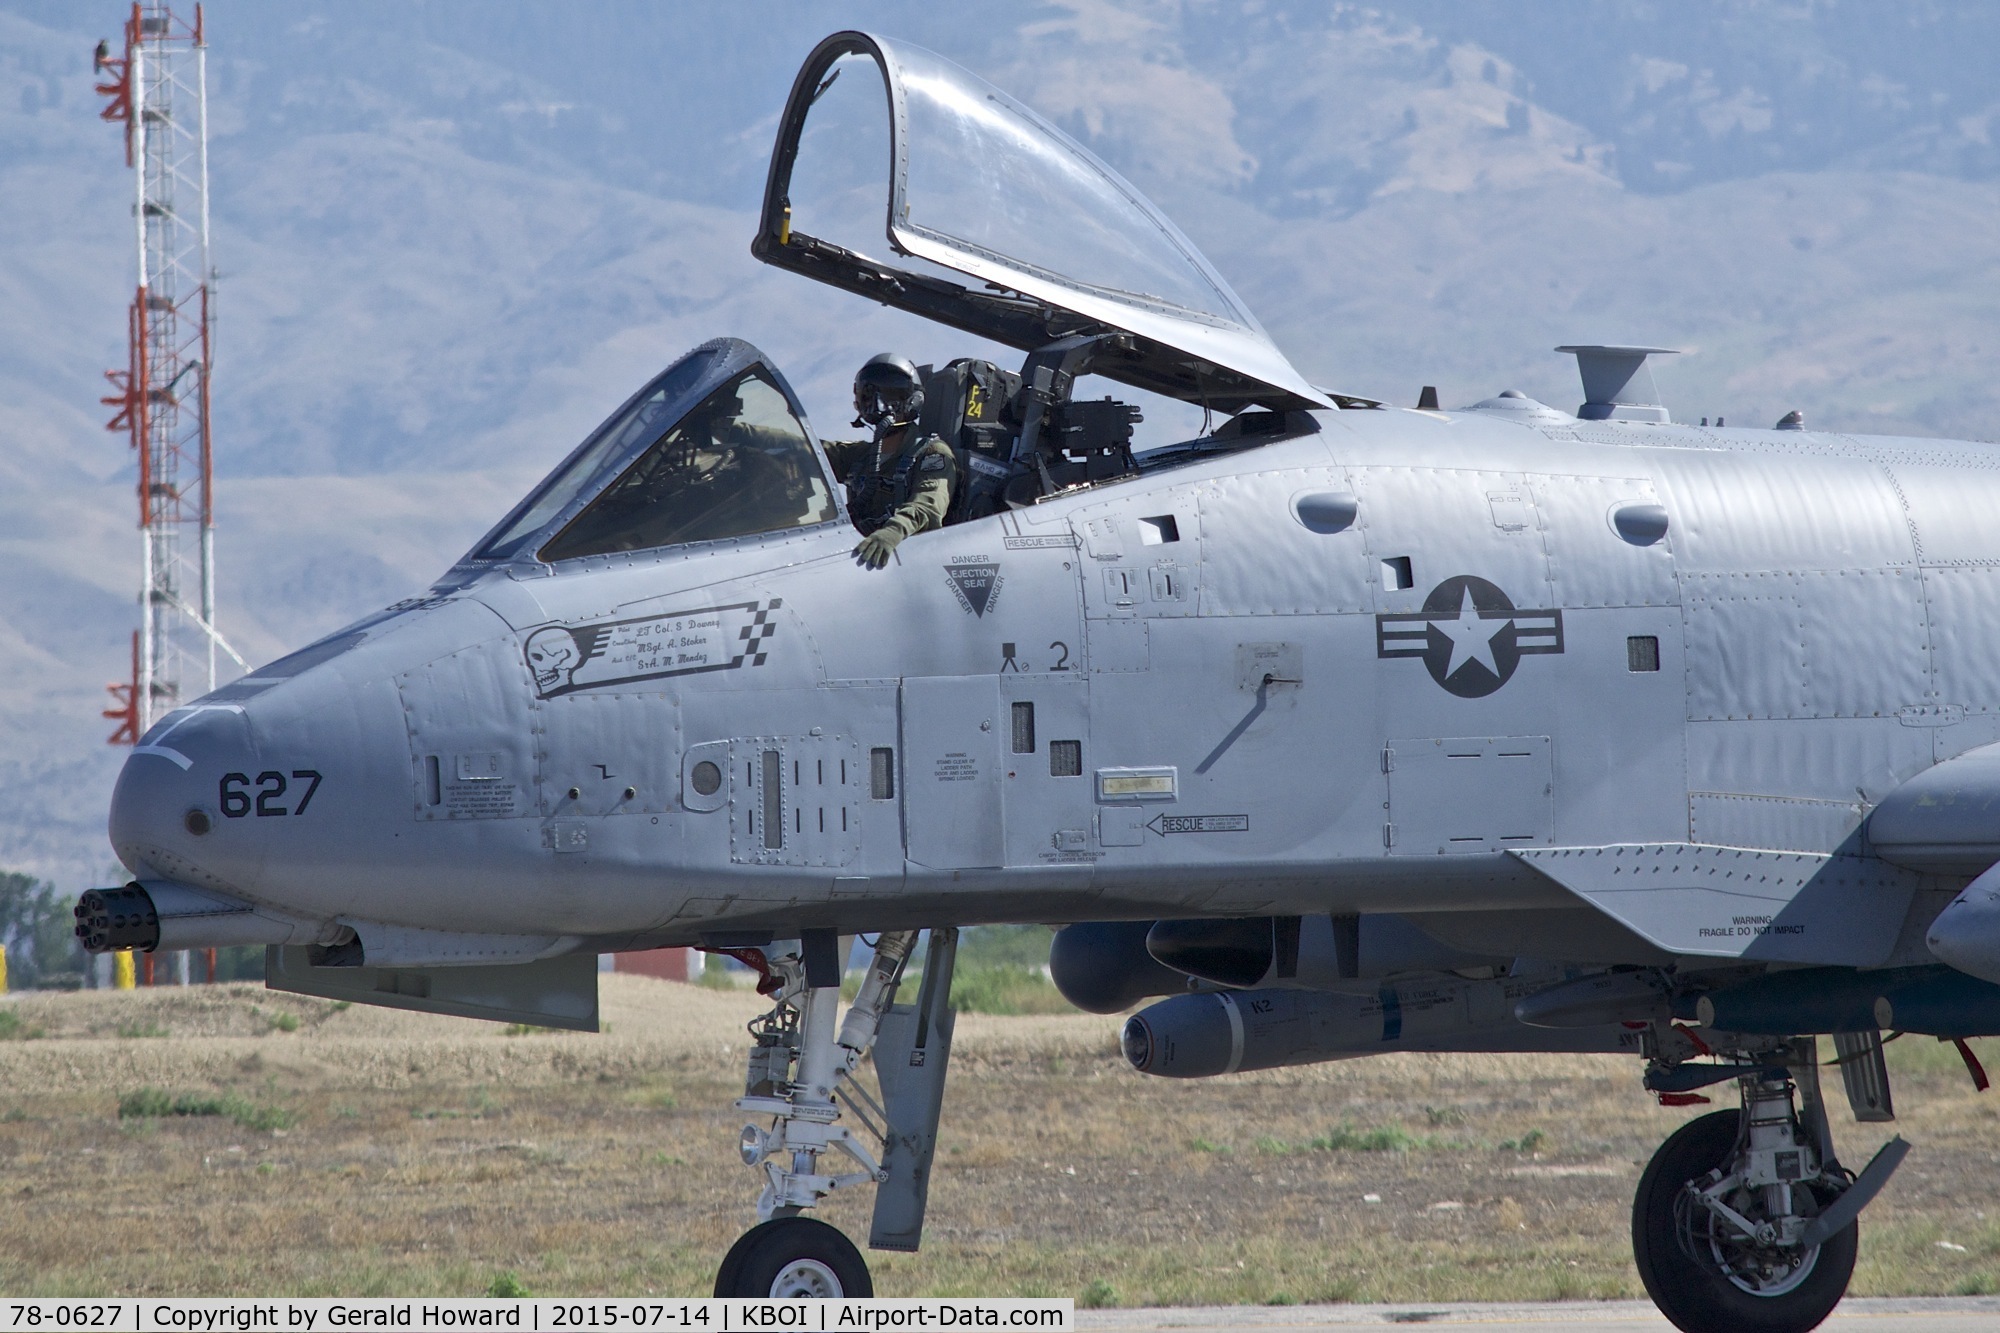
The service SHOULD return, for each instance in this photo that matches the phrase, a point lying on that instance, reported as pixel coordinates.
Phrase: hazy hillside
(452, 236)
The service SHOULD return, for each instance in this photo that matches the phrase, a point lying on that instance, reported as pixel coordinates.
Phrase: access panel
(952, 771)
(1469, 794)
(795, 800)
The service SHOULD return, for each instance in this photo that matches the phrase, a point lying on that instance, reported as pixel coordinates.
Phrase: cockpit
(996, 223)
(737, 464)
(715, 447)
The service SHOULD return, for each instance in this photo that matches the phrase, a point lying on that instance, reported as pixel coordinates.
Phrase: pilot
(898, 483)
(718, 471)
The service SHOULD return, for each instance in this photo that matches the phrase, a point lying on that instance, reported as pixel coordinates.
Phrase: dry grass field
(358, 1151)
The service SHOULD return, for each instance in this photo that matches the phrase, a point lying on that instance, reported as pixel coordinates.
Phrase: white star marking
(1471, 638)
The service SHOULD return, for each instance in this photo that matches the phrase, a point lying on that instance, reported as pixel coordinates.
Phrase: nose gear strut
(802, 1073)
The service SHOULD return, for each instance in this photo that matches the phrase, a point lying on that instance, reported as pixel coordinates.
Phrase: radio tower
(159, 90)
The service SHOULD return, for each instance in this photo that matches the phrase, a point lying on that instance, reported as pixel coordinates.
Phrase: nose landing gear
(802, 1073)
(1744, 1221)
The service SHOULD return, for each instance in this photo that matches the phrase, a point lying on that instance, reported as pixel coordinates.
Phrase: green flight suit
(908, 489)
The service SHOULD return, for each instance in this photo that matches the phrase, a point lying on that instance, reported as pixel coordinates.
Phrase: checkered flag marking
(757, 633)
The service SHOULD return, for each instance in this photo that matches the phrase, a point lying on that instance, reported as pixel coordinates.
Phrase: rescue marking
(1469, 635)
(976, 581)
(1165, 824)
(567, 658)
(1052, 542)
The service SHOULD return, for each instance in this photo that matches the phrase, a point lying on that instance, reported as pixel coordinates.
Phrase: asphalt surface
(1958, 1314)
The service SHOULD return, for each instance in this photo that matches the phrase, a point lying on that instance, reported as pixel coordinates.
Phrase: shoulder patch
(934, 462)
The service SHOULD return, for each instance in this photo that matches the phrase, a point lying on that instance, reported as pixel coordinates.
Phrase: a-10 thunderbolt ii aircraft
(1345, 728)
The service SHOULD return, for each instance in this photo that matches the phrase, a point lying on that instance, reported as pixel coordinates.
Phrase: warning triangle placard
(977, 584)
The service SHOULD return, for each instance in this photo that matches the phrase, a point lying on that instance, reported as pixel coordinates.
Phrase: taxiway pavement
(1956, 1314)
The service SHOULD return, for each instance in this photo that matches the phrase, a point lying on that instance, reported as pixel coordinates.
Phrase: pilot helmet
(887, 389)
(719, 408)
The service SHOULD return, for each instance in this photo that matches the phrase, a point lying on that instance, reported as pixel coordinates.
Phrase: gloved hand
(875, 547)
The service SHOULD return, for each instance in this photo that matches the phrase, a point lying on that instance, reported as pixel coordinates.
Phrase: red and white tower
(159, 90)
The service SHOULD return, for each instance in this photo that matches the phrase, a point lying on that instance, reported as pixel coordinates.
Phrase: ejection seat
(970, 405)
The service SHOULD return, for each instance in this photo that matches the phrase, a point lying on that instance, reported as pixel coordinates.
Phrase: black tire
(732, 1262)
(793, 1258)
(1694, 1293)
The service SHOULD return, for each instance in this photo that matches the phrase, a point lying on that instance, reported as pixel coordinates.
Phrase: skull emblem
(552, 656)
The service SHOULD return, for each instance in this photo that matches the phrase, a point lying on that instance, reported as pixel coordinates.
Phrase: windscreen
(736, 464)
(989, 174)
(640, 420)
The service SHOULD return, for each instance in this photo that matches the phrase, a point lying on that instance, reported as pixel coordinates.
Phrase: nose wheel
(793, 1258)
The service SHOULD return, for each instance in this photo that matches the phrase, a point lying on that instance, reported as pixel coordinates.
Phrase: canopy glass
(978, 186)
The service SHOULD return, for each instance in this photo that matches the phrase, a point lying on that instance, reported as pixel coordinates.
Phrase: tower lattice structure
(158, 90)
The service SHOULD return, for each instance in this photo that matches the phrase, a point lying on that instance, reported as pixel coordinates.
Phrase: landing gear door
(951, 771)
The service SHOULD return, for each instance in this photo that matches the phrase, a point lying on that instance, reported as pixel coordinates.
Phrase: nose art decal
(1470, 636)
(567, 658)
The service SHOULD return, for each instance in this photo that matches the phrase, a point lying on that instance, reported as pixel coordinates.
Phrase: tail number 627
(237, 800)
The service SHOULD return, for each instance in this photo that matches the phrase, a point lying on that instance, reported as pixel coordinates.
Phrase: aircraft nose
(167, 816)
(296, 786)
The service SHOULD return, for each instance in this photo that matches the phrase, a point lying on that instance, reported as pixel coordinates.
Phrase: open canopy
(1058, 242)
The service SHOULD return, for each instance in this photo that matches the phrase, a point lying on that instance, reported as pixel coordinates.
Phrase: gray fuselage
(1233, 713)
